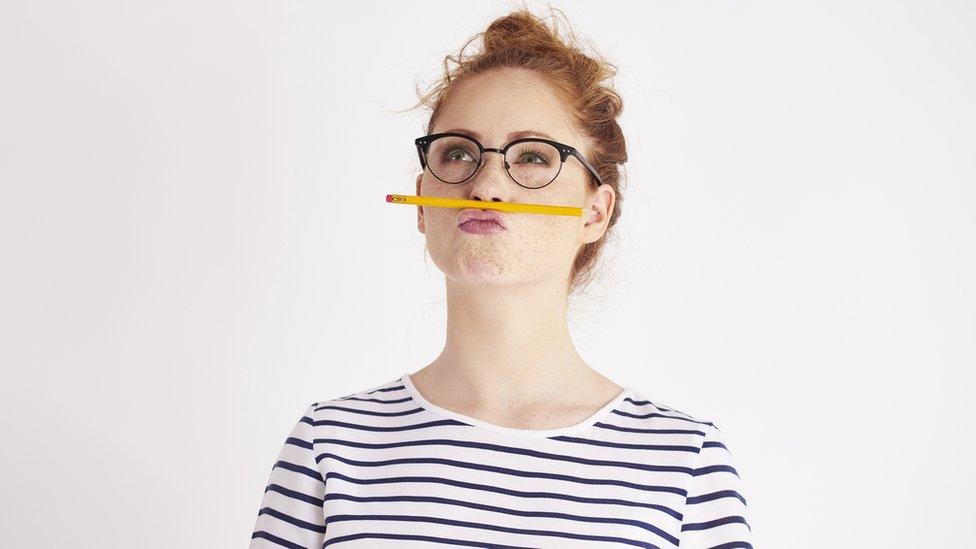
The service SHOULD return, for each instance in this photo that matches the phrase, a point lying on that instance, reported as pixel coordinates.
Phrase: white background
(195, 247)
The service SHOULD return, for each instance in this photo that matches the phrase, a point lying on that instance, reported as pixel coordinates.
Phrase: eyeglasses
(532, 162)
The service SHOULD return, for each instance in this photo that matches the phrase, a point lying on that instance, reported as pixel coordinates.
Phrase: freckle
(481, 260)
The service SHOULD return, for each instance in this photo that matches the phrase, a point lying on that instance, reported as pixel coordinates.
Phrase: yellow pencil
(481, 205)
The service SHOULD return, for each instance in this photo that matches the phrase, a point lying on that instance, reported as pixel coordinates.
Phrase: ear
(420, 209)
(597, 214)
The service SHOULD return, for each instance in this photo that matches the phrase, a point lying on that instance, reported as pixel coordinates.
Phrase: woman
(508, 438)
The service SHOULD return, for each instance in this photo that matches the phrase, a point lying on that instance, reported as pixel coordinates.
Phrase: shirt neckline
(588, 422)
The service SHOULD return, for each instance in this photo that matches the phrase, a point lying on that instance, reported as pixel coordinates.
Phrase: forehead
(504, 104)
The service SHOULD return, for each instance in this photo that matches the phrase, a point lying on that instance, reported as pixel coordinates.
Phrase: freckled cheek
(546, 227)
(543, 231)
(443, 218)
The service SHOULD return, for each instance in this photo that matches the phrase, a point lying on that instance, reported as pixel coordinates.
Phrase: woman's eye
(458, 155)
(534, 158)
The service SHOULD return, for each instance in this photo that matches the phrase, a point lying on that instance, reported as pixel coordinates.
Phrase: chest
(566, 492)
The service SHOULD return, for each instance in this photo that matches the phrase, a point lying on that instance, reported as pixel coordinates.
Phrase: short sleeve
(291, 509)
(715, 509)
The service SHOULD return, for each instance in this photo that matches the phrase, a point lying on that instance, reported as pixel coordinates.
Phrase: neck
(509, 344)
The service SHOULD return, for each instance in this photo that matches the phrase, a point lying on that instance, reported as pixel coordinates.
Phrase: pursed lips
(482, 215)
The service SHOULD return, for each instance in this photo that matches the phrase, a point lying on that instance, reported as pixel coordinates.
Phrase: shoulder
(362, 400)
(639, 405)
(711, 453)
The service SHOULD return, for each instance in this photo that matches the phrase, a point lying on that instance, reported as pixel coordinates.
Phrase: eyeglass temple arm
(587, 165)
(420, 154)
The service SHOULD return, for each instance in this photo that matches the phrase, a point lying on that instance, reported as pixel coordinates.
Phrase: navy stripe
(650, 431)
(307, 471)
(431, 539)
(495, 527)
(692, 500)
(389, 429)
(715, 469)
(261, 534)
(610, 444)
(712, 523)
(394, 401)
(509, 492)
(516, 512)
(373, 412)
(292, 520)
(656, 414)
(515, 450)
(507, 471)
(295, 494)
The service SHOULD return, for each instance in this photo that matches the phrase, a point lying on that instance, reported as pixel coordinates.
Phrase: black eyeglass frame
(565, 151)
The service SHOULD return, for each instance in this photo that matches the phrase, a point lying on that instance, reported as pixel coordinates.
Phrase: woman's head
(526, 78)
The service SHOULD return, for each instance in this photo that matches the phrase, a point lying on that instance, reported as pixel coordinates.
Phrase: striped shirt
(385, 467)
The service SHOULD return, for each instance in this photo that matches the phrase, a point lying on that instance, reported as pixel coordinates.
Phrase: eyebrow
(511, 136)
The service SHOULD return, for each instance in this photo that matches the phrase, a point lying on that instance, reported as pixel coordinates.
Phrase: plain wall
(195, 246)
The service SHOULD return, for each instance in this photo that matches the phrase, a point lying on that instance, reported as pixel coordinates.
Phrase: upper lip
(484, 215)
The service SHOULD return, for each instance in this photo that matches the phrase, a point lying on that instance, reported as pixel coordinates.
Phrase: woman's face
(534, 247)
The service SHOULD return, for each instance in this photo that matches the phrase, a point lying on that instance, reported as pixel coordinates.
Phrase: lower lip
(476, 226)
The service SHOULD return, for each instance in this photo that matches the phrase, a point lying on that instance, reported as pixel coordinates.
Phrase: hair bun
(520, 30)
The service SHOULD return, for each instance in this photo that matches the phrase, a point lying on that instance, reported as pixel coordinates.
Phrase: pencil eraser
(389, 198)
